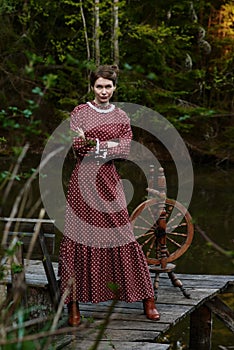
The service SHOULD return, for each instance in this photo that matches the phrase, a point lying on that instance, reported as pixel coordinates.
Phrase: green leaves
(45, 58)
(37, 90)
(27, 113)
(49, 81)
(17, 268)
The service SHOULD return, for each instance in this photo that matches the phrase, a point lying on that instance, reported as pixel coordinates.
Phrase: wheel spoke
(151, 213)
(183, 224)
(150, 247)
(145, 234)
(172, 219)
(145, 221)
(141, 227)
(174, 242)
(177, 234)
(146, 242)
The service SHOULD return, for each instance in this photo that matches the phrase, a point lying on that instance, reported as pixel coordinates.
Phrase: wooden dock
(128, 328)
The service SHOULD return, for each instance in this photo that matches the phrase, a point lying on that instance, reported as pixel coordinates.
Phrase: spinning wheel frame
(183, 232)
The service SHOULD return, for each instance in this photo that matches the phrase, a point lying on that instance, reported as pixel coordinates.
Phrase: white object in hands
(80, 133)
(97, 146)
(111, 144)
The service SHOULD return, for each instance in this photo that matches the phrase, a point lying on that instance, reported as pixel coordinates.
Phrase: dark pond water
(212, 210)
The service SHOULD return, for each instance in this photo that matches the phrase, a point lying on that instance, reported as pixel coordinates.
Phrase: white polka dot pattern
(98, 246)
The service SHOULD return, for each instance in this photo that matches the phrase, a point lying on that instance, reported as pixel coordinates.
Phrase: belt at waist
(92, 159)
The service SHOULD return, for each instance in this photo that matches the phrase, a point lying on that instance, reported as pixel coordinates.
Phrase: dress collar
(100, 108)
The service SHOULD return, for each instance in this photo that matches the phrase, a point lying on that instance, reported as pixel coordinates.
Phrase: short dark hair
(109, 72)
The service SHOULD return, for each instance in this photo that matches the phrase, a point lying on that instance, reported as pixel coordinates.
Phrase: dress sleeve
(79, 144)
(124, 143)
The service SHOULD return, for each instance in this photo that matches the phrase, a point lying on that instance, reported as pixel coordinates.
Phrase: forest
(175, 57)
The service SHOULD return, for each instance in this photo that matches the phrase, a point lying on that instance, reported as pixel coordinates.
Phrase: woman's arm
(81, 145)
(119, 148)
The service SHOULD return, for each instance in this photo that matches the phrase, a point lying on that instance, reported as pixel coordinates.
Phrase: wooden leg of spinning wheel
(156, 285)
(177, 283)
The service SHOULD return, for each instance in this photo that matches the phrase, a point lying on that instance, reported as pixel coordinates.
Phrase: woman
(98, 250)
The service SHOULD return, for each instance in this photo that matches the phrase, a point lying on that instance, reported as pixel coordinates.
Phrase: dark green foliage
(175, 57)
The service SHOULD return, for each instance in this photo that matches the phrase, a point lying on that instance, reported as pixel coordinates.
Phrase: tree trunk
(86, 36)
(85, 31)
(115, 32)
(96, 32)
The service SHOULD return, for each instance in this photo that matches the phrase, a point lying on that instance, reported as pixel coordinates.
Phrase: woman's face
(103, 90)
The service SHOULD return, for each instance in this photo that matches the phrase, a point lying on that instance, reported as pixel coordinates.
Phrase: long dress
(99, 257)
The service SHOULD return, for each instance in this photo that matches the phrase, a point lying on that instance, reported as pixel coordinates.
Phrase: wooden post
(18, 277)
(222, 311)
(52, 282)
(162, 218)
(200, 329)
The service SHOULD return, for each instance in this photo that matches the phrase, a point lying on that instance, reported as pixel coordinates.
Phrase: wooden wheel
(179, 232)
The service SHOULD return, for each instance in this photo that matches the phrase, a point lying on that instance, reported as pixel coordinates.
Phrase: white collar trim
(100, 110)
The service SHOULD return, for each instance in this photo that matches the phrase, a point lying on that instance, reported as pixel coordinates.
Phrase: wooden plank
(168, 315)
(24, 228)
(199, 277)
(38, 283)
(123, 335)
(6, 219)
(230, 287)
(52, 281)
(18, 280)
(128, 323)
(170, 296)
(60, 342)
(134, 319)
(222, 311)
(29, 227)
(108, 345)
(26, 237)
(197, 280)
(34, 274)
(120, 324)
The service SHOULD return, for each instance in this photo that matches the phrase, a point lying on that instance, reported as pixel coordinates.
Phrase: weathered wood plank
(61, 342)
(25, 237)
(196, 280)
(123, 335)
(132, 317)
(168, 315)
(108, 345)
(34, 273)
(37, 283)
(125, 324)
(23, 230)
(222, 311)
(128, 320)
(53, 286)
(128, 327)
(199, 277)
(168, 296)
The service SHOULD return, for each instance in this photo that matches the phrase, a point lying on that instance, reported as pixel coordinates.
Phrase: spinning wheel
(179, 229)
(164, 229)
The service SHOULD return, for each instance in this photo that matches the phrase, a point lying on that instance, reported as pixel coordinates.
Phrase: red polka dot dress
(98, 249)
